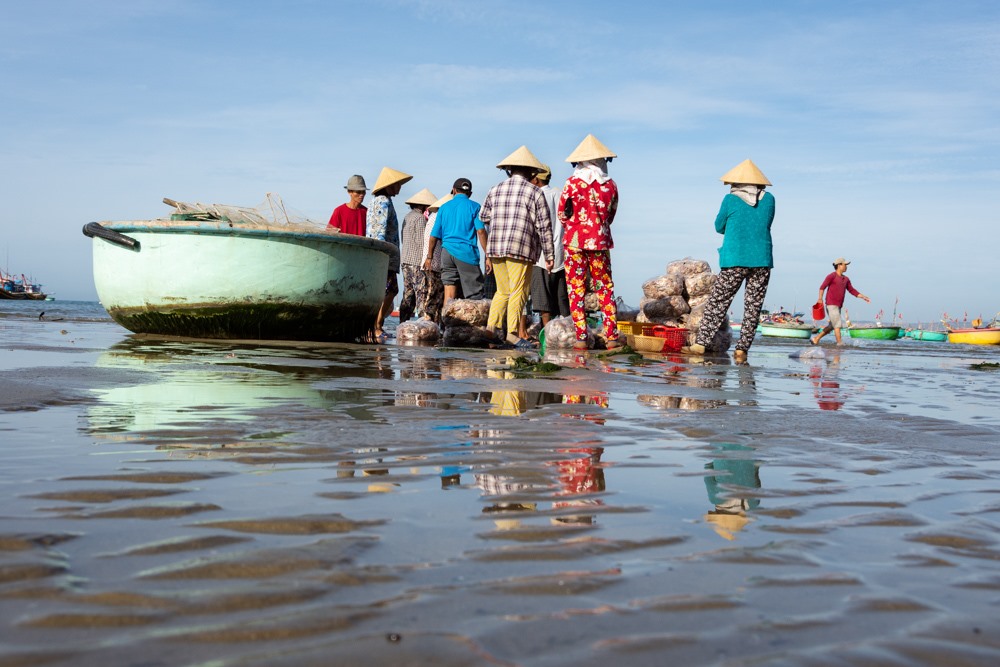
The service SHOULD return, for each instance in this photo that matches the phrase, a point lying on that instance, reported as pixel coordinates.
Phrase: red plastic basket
(674, 337)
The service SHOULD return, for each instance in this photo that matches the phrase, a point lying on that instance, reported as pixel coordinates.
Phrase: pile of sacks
(464, 322)
(678, 299)
(415, 332)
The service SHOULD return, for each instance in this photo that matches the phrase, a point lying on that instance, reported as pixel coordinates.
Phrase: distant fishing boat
(875, 332)
(12, 287)
(975, 336)
(212, 272)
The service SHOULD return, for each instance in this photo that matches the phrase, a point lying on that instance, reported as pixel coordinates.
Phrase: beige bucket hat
(522, 157)
(745, 172)
(441, 202)
(590, 149)
(389, 176)
(423, 198)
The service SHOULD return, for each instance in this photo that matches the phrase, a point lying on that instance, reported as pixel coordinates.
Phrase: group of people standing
(554, 244)
(538, 240)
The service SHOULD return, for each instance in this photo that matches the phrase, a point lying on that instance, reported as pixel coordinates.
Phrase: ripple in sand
(557, 583)
(90, 621)
(182, 544)
(22, 542)
(831, 579)
(687, 603)
(15, 572)
(105, 495)
(574, 548)
(149, 477)
(171, 511)
(297, 525)
(266, 564)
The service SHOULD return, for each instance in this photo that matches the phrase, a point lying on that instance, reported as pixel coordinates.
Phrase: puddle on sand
(255, 505)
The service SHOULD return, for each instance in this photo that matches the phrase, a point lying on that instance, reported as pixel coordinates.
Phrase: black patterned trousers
(414, 291)
(723, 291)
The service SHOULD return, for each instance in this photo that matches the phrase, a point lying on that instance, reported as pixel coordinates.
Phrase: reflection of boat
(876, 332)
(926, 334)
(975, 336)
(21, 289)
(216, 278)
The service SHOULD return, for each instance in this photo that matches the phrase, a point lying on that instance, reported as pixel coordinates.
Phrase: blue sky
(877, 122)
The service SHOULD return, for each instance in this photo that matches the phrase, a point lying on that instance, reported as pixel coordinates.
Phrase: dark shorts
(456, 272)
(548, 292)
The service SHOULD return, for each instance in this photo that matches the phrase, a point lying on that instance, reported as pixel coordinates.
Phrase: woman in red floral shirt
(586, 209)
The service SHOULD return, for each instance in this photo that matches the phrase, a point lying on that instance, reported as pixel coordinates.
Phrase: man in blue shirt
(457, 228)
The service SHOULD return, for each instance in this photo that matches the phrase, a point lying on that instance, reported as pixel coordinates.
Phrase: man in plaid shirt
(520, 225)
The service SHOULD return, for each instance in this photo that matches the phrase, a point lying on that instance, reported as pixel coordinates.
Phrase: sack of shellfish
(468, 312)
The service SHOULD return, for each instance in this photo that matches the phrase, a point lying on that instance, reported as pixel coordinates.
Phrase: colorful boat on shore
(786, 330)
(927, 335)
(214, 278)
(875, 333)
(989, 336)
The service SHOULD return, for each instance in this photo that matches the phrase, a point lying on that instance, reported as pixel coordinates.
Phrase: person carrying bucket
(836, 285)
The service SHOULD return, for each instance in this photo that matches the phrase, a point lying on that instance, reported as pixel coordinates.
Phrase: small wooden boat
(215, 278)
(974, 336)
(20, 289)
(875, 333)
(927, 335)
(786, 330)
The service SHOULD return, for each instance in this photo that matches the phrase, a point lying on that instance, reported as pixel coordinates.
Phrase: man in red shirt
(349, 218)
(836, 285)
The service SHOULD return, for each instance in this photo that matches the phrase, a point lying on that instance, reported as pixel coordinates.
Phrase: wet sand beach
(169, 502)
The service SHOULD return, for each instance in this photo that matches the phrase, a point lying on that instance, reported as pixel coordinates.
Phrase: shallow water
(177, 502)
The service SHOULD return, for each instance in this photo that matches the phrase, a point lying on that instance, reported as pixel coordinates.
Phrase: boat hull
(785, 331)
(930, 336)
(216, 280)
(975, 336)
(875, 333)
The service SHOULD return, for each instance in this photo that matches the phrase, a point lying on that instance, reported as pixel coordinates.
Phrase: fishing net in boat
(269, 213)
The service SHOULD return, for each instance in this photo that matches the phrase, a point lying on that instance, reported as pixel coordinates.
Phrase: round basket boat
(876, 333)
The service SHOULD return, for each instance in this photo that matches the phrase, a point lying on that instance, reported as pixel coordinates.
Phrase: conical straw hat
(389, 176)
(745, 172)
(423, 198)
(522, 157)
(441, 202)
(590, 149)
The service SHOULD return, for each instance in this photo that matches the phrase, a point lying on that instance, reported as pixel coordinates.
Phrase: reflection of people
(457, 228)
(349, 218)
(836, 286)
(520, 231)
(411, 254)
(587, 208)
(382, 224)
(548, 288)
(729, 514)
(826, 391)
(744, 220)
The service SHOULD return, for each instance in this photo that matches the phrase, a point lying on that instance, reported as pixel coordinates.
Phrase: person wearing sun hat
(349, 218)
(744, 220)
(383, 224)
(587, 207)
(411, 253)
(548, 288)
(836, 285)
(520, 229)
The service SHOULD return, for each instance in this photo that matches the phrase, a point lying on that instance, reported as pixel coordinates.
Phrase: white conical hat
(389, 176)
(441, 202)
(590, 149)
(423, 198)
(522, 157)
(745, 172)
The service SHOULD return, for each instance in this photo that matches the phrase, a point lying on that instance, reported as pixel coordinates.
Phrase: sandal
(581, 345)
(612, 344)
(523, 344)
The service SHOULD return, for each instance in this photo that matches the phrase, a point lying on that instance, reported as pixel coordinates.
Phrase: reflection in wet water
(227, 504)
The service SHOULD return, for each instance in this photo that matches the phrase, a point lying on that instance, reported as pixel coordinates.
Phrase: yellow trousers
(513, 284)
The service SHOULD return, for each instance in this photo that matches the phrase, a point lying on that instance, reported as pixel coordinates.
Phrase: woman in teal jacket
(745, 256)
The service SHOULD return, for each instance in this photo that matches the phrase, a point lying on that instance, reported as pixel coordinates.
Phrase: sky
(877, 122)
